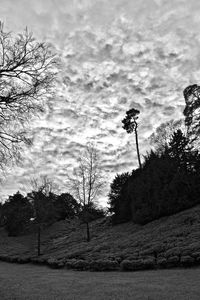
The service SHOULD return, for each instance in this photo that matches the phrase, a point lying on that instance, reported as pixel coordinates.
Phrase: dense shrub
(162, 262)
(38, 260)
(23, 259)
(173, 261)
(104, 265)
(54, 263)
(77, 264)
(132, 265)
(96, 265)
(187, 261)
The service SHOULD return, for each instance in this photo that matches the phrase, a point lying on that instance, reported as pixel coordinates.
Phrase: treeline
(21, 214)
(168, 181)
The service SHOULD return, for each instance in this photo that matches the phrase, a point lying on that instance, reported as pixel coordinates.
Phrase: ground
(32, 282)
(168, 242)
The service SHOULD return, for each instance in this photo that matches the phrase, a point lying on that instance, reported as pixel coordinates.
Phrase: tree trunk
(88, 232)
(137, 147)
(38, 240)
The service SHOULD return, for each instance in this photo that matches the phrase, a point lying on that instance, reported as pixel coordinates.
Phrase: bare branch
(87, 181)
(27, 74)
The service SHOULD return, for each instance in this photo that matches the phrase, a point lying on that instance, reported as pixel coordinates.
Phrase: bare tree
(164, 132)
(87, 182)
(130, 125)
(43, 209)
(43, 184)
(26, 76)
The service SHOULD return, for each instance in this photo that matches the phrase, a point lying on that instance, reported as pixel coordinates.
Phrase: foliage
(65, 206)
(118, 207)
(130, 121)
(101, 265)
(91, 212)
(167, 183)
(1, 215)
(43, 207)
(17, 212)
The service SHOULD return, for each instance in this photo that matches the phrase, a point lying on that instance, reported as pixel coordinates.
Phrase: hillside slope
(167, 242)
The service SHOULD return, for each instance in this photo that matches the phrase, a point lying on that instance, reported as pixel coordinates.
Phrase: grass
(22, 282)
(174, 239)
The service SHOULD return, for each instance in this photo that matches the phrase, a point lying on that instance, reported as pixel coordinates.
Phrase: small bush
(5, 257)
(54, 263)
(77, 264)
(104, 265)
(131, 265)
(187, 261)
(38, 260)
(173, 252)
(13, 259)
(186, 252)
(162, 262)
(149, 263)
(196, 255)
(23, 259)
(173, 261)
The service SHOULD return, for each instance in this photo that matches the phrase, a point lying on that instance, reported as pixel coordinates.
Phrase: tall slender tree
(130, 125)
(86, 183)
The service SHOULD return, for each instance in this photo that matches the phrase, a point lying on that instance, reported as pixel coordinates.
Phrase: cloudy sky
(116, 55)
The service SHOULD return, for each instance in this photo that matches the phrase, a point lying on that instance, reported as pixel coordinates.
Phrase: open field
(28, 281)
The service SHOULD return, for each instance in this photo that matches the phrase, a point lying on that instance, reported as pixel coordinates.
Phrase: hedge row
(110, 265)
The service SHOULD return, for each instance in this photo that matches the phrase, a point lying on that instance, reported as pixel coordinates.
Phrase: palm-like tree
(130, 125)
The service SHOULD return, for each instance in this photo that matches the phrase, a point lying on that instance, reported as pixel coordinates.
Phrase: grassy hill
(167, 242)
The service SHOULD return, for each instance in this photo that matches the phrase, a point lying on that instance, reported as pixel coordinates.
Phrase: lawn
(40, 282)
(175, 240)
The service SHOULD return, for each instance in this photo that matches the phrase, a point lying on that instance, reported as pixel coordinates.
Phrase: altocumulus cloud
(115, 56)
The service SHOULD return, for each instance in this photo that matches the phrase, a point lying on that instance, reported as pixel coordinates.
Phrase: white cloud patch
(115, 56)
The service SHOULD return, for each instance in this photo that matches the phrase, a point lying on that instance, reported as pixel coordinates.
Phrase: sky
(116, 55)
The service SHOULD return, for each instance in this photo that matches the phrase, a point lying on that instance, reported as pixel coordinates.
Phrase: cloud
(115, 56)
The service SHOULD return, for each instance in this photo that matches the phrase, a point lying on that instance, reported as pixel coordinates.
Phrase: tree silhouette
(42, 199)
(26, 76)
(192, 109)
(17, 212)
(130, 125)
(65, 207)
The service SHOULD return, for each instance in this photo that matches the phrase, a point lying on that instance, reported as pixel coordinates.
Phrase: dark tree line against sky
(168, 180)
